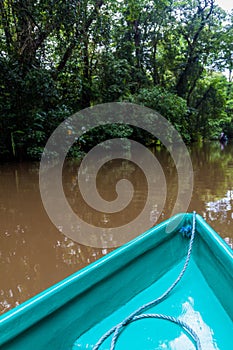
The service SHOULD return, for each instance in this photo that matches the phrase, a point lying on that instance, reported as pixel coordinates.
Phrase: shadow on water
(34, 254)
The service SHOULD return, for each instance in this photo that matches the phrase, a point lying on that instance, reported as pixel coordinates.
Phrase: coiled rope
(137, 315)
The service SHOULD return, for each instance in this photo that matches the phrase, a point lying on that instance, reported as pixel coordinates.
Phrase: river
(34, 254)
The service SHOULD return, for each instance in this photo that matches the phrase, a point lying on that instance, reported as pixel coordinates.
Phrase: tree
(195, 27)
(38, 41)
(57, 57)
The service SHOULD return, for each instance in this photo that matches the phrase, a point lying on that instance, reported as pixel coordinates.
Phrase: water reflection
(34, 254)
(220, 209)
(221, 205)
(213, 188)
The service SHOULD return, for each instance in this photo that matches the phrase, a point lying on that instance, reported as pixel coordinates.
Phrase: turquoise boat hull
(77, 311)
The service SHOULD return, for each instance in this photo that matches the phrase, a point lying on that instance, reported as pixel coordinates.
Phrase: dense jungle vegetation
(58, 57)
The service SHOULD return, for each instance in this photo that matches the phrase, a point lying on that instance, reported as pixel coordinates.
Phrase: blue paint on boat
(77, 311)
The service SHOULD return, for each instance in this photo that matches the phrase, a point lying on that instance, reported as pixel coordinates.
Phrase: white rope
(137, 315)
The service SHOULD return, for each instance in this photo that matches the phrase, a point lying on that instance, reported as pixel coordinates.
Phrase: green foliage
(210, 100)
(102, 133)
(57, 57)
(227, 128)
(112, 80)
(169, 105)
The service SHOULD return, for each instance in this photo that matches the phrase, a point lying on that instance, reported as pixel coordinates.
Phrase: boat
(169, 288)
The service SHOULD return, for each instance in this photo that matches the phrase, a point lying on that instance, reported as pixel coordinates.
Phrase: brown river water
(34, 254)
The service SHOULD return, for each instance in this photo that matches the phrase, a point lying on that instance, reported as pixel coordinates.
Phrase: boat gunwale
(210, 236)
(140, 244)
(84, 279)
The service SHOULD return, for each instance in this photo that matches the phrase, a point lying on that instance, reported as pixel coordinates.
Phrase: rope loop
(189, 232)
